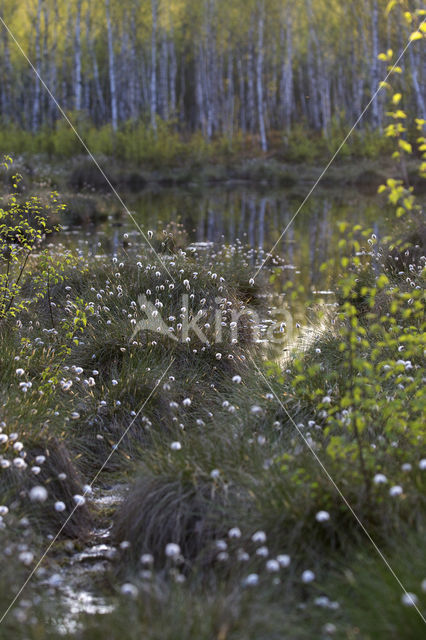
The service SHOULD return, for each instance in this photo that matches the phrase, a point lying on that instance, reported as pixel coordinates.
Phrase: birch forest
(220, 67)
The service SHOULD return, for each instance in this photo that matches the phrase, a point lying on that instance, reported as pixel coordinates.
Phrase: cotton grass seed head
(409, 599)
(147, 559)
(284, 560)
(26, 557)
(272, 566)
(128, 589)
(308, 576)
(38, 494)
(252, 580)
(322, 516)
(380, 478)
(256, 410)
(259, 537)
(172, 550)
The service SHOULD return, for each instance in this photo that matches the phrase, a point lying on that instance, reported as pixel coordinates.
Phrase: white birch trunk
(259, 81)
(7, 99)
(153, 102)
(172, 77)
(99, 107)
(250, 84)
(287, 73)
(164, 72)
(37, 91)
(375, 112)
(111, 69)
(77, 57)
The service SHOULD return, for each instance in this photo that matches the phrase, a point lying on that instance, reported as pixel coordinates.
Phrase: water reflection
(254, 217)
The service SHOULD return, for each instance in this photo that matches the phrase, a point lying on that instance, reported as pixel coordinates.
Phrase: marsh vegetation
(212, 408)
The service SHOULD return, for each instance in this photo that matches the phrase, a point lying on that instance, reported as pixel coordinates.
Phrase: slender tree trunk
(259, 80)
(172, 77)
(419, 88)
(250, 83)
(77, 58)
(164, 73)
(124, 70)
(7, 98)
(45, 60)
(243, 121)
(210, 71)
(325, 99)
(375, 111)
(302, 94)
(100, 111)
(182, 95)
(133, 79)
(287, 72)
(200, 119)
(53, 70)
(172, 66)
(363, 67)
(355, 106)
(37, 91)
(230, 83)
(111, 68)
(153, 105)
(275, 97)
(312, 76)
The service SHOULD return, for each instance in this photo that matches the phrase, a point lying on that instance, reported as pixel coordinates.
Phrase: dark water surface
(228, 213)
(256, 217)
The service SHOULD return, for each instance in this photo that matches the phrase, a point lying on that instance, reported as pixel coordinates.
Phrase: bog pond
(257, 217)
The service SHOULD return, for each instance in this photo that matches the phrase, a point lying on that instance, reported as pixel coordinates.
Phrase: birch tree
(153, 101)
(111, 68)
(259, 77)
(77, 57)
(37, 88)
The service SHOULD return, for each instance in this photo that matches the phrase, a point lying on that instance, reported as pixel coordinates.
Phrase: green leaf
(390, 5)
(405, 146)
